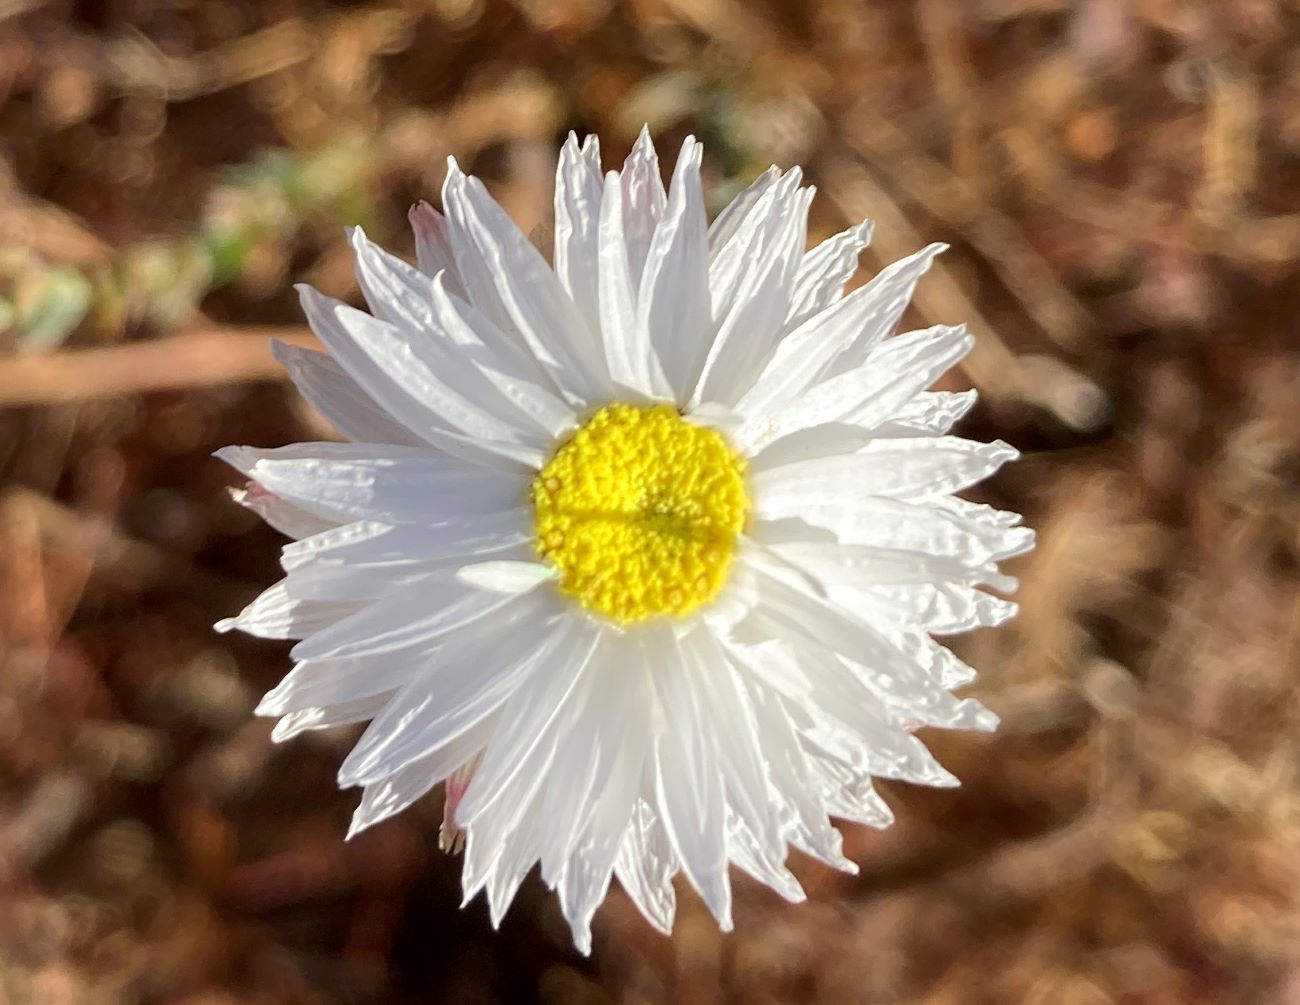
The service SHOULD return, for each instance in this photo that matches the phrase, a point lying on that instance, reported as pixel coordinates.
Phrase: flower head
(641, 552)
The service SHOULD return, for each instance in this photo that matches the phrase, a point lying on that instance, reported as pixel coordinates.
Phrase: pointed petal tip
(238, 457)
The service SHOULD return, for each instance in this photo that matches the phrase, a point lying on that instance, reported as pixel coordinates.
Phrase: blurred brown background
(1120, 183)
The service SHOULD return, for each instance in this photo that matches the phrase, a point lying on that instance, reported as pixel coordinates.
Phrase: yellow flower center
(639, 512)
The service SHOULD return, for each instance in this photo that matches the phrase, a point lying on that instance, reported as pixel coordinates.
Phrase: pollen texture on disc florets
(639, 512)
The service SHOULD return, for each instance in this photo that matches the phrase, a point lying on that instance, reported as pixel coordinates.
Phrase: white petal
(643, 201)
(410, 345)
(522, 292)
(894, 467)
(934, 412)
(737, 742)
(646, 862)
(603, 807)
(382, 376)
(319, 683)
(837, 339)
(517, 376)
(871, 394)
(442, 605)
(824, 270)
(748, 855)
(755, 234)
(577, 222)
(857, 565)
(888, 523)
(753, 320)
(600, 759)
(369, 543)
(847, 790)
(470, 681)
(277, 614)
(530, 712)
(323, 718)
(737, 211)
(506, 576)
(945, 608)
(633, 362)
(688, 779)
(433, 250)
(806, 824)
(673, 300)
(368, 482)
(337, 397)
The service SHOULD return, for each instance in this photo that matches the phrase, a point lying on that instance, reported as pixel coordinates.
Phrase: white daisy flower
(641, 552)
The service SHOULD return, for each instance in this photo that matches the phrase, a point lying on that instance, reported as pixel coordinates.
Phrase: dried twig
(201, 357)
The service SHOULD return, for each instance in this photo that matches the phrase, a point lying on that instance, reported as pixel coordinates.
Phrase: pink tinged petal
(688, 778)
(460, 689)
(578, 190)
(931, 467)
(345, 714)
(643, 200)
(393, 793)
(334, 394)
(673, 310)
(525, 296)
(351, 335)
(824, 270)
(369, 544)
(646, 861)
(451, 838)
(838, 338)
(633, 363)
(290, 520)
(367, 482)
(735, 214)
(433, 249)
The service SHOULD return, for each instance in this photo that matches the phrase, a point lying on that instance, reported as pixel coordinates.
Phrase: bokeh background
(1120, 183)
